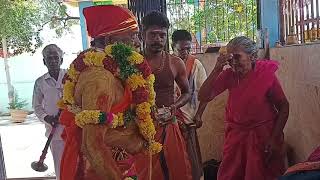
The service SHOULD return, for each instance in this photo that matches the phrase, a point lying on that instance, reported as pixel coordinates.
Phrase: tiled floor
(22, 144)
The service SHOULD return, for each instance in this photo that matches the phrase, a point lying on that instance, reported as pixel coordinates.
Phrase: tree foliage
(22, 21)
(215, 20)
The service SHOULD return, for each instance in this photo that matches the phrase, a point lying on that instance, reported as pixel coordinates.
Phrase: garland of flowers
(134, 71)
(131, 178)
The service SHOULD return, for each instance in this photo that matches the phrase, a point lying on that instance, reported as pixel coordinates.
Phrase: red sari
(251, 113)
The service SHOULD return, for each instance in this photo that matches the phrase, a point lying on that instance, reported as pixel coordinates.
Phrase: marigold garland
(60, 104)
(147, 129)
(135, 81)
(73, 73)
(108, 51)
(136, 58)
(68, 90)
(86, 116)
(155, 147)
(94, 58)
(130, 178)
(134, 71)
(143, 110)
(152, 94)
(118, 120)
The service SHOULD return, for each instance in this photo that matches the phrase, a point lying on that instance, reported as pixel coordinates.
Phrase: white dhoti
(57, 147)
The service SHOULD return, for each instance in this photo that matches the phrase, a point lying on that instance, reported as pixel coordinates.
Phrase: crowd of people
(256, 111)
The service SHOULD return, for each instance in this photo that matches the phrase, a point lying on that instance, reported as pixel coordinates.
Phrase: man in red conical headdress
(110, 24)
(95, 87)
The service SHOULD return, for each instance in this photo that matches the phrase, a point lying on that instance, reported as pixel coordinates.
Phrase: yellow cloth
(97, 140)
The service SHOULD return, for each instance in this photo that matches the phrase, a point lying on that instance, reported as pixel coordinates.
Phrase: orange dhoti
(172, 163)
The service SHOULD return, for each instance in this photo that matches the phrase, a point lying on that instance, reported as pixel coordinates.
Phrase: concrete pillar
(269, 10)
(84, 35)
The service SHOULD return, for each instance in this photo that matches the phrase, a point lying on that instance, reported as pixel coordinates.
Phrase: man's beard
(156, 48)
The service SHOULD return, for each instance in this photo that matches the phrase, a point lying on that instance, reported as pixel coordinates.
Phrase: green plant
(17, 103)
(23, 20)
(21, 24)
(215, 20)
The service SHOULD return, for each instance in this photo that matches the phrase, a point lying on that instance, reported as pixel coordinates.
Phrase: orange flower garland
(134, 71)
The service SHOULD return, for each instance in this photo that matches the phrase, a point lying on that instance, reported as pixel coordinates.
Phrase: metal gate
(141, 7)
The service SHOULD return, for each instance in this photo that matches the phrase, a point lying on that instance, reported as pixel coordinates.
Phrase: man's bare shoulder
(176, 61)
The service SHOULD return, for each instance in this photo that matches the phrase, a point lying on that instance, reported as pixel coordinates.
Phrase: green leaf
(22, 20)
(129, 116)
(17, 103)
(216, 20)
(121, 52)
(99, 3)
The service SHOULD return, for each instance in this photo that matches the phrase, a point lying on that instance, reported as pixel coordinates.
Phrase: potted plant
(17, 113)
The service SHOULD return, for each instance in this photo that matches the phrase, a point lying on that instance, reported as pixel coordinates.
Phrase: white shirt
(47, 92)
(200, 75)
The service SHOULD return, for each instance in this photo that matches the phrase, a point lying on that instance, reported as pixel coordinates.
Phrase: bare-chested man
(172, 163)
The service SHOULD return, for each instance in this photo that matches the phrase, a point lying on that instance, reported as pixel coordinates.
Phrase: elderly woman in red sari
(256, 112)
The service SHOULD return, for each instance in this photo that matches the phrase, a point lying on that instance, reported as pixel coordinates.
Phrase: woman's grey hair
(51, 47)
(246, 44)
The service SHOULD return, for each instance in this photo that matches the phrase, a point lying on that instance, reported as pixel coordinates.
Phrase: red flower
(110, 65)
(65, 78)
(140, 95)
(79, 65)
(144, 68)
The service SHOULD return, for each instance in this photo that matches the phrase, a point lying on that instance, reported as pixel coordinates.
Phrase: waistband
(165, 122)
(234, 125)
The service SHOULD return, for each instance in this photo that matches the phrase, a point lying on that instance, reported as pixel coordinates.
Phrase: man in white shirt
(47, 92)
